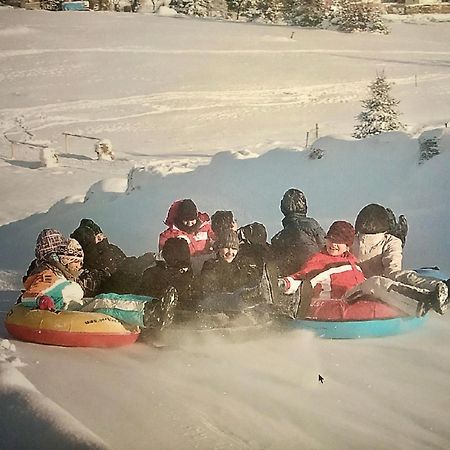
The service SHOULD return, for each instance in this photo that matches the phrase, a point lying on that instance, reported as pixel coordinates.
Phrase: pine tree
(242, 8)
(198, 8)
(304, 13)
(351, 16)
(268, 11)
(380, 112)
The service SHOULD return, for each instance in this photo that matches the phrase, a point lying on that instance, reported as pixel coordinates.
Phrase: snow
(218, 112)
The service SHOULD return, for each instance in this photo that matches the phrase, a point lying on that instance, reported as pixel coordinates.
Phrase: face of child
(227, 254)
(335, 249)
(75, 266)
(189, 223)
(99, 237)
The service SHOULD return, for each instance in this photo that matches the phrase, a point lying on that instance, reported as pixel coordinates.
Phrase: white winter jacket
(378, 254)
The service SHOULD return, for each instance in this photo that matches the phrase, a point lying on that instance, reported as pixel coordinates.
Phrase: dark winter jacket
(300, 238)
(219, 276)
(128, 276)
(158, 278)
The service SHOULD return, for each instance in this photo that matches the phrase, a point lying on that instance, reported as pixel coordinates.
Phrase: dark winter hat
(372, 219)
(253, 233)
(228, 239)
(341, 232)
(221, 221)
(89, 223)
(85, 236)
(293, 201)
(48, 242)
(187, 210)
(176, 252)
(72, 250)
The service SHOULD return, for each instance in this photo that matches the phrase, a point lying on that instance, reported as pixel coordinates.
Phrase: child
(50, 283)
(300, 237)
(334, 273)
(184, 221)
(175, 271)
(333, 270)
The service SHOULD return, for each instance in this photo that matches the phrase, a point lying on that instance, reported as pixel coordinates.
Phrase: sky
(219, 112)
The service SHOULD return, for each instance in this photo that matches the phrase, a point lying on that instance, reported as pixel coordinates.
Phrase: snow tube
(338, 319)
(434, 272)
(68, 328)
(358, 329)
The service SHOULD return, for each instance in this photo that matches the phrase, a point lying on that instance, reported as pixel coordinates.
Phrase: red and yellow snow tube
(68, 328)
(341, 310)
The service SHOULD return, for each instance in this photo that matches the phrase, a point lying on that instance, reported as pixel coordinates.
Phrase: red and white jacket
(199, 242)
(330, 276)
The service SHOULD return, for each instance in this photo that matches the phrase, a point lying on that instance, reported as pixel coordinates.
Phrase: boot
(437, 300)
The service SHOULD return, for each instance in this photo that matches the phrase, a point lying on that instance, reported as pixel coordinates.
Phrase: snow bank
(30, 420)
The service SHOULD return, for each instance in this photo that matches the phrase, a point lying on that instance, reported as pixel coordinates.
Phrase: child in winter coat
(229, 280)
(333, 270)
(380, 255)
(50, 283)
(99, 253)
(301, 236)
(175, 271)
(334, 273)
(119, 273)
(184, 221)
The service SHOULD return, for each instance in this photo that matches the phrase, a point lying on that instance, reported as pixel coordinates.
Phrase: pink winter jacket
(199, 242)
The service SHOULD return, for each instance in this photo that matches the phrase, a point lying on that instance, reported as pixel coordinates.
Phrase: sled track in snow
(207, 104)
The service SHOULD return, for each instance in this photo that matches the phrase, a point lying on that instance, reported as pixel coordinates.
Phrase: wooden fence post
(307, 139)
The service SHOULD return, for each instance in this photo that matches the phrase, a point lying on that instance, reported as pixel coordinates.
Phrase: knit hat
(341, 232)
(227, 239)
(187, 210)
(372, 219)
(293, 201)
(176, 252)
(72, 250)
(89, 223)
(221, 221)
(48, 242)
(253, 233)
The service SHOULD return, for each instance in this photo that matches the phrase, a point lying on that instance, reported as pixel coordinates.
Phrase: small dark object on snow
(321, 378)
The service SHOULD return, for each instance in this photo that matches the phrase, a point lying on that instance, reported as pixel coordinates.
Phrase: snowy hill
(219, 112)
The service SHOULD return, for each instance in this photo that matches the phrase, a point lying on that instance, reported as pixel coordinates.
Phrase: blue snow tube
(434, 272)
(369, 328)
(361, 328)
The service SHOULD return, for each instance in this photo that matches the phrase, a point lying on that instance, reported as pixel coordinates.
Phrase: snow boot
(438, 301)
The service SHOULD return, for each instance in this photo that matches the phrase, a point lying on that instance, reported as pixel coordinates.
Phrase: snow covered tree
(242, 8)
(198, 8)
(351, 16)
(269, 11)
(304, 13)
(428, 149)
(380, 113)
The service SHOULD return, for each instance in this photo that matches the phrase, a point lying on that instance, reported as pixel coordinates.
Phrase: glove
(46, 303)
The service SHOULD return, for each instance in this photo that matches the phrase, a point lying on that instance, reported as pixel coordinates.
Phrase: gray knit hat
(228, 239)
